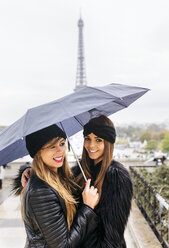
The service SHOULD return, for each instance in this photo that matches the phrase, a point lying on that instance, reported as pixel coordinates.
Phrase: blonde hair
(107, 157)
(62, 181)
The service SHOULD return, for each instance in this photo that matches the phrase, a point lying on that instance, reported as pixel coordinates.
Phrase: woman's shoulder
(117, 169)
(117, 165)
(117, 179)
(36, 182)
(39, 188)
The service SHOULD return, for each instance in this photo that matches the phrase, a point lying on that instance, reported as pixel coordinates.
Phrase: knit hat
(35, 141)
(105, 132)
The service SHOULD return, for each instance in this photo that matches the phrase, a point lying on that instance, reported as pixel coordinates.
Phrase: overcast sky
(126, 41)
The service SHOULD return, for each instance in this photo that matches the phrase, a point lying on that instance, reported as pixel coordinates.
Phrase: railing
(154, 208)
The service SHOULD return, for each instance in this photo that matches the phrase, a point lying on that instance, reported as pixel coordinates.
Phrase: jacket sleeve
(115, 205)
(49, 216)
(17, 186)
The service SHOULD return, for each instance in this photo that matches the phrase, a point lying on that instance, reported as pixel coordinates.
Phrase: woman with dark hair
(48, 205)
(112, 181)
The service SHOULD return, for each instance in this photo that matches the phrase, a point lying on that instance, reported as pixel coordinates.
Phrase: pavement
(140, 231)
(12, 233)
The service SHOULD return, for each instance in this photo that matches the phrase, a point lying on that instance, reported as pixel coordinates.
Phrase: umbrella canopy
(70, 113)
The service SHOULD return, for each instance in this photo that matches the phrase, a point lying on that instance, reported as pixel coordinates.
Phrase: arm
(47, 213)
(115, 205)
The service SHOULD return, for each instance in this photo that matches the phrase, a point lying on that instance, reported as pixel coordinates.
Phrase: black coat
(113, 208)
(45, 218)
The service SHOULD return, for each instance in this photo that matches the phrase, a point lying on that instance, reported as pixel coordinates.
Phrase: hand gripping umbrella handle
(75, 155)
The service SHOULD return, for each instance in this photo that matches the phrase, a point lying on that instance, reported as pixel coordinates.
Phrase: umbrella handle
(75, 155)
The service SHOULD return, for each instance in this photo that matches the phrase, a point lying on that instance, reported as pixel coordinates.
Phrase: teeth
(58, 159)
(92, 151)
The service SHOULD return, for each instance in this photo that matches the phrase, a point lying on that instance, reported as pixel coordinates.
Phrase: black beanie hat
(35, 141)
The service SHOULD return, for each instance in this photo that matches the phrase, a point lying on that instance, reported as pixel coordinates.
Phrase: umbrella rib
(121, 104)
(78, 121)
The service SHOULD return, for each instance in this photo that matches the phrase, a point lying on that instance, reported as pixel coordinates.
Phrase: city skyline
(124, 42)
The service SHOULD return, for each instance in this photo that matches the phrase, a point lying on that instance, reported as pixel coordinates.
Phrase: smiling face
(94, 147)
(53, 154)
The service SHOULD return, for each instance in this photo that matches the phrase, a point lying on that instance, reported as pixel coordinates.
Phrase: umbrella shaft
(78, 162)
(75, 154)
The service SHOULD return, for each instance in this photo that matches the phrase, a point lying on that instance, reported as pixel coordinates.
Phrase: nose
(91, 144)
(59, 148)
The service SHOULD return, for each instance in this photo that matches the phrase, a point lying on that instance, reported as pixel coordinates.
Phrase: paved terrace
(12, 234)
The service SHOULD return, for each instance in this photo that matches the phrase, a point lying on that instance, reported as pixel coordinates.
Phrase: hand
(90, 195)
(25, 177)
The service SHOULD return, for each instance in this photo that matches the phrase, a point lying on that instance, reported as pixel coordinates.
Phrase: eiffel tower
(81, 72)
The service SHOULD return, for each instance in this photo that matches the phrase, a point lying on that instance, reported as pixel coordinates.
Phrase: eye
(86, 138)
(52, 147)
(62, 144)
(99, 140)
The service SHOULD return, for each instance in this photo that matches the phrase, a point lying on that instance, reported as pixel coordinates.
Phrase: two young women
(112, 181)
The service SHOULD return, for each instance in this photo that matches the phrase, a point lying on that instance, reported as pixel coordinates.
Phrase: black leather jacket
(45, 218)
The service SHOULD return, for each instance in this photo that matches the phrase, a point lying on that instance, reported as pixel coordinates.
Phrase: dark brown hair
(107, 156)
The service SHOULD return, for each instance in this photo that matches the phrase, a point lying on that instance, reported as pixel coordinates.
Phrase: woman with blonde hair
(49, 207)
